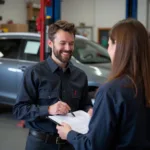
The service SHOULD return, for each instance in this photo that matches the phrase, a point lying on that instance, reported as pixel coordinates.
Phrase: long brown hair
(132, 56)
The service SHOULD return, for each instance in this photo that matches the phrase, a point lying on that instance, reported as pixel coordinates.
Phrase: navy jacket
(118, 122)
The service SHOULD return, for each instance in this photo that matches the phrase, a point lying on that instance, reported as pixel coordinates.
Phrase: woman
(119, 114)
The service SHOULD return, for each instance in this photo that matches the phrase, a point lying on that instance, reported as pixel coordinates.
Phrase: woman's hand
(90, 112)
(63, 130)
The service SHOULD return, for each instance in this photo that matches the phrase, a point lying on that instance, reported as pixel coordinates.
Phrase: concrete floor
(11, 136)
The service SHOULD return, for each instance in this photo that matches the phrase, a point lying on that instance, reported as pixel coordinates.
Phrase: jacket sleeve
(102, 127)
(26, 107)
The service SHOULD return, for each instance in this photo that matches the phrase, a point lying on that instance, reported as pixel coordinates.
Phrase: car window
(9, 48)
(31, 51)
(87, 51)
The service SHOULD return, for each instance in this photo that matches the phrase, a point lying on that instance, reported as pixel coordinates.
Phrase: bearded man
(52, 87)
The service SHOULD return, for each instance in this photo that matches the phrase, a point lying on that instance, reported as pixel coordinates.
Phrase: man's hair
(60, 25)
(132, 55)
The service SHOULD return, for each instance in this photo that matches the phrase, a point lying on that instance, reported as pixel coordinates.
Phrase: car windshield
(87, 51)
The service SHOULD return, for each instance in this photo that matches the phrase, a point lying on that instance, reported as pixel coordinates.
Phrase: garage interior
(93, 19)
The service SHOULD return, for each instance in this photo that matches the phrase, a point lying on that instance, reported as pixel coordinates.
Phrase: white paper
(78, 123)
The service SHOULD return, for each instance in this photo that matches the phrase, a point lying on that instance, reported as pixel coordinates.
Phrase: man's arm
(26, 107)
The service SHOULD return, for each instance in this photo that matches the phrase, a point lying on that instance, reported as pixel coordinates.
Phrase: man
(52, 87)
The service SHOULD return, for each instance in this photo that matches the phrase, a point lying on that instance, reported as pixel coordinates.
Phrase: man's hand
(59, 108)
(63, 130)
(90, 112)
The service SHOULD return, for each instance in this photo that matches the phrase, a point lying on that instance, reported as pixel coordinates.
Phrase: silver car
(20, 50)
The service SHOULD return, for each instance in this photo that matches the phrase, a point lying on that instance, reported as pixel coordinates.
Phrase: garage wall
(142, 13)
(15, 10)
(96, 13)
(107, 13)
(78, 11)
(148, 16)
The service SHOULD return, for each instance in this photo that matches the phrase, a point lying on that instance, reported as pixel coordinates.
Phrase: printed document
(78, 123)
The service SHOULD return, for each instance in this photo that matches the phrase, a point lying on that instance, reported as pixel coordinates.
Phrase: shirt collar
(54, 66)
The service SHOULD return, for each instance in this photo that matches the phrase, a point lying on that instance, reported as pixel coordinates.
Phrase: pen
(72, 113)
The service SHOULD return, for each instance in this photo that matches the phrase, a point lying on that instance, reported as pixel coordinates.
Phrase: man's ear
(50, 43)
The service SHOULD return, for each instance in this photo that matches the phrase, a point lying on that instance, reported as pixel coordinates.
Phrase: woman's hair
(60, 25)
(132, 55)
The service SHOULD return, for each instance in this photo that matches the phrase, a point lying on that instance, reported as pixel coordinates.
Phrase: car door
(29, 55)
(9, 50)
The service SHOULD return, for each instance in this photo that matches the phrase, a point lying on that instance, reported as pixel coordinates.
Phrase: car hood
(104, 67)
(96, 73)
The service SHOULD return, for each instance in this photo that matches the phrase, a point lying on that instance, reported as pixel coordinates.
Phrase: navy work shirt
(119, 120)
(43, 85)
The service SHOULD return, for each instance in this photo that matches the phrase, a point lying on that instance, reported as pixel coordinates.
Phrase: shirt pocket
(76, 94)
(48, 97)
(76, 98)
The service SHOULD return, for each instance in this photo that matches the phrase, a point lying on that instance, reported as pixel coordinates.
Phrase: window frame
(5, 37)
(23, 50)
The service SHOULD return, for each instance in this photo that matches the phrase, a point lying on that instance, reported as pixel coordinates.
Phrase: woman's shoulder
(117, 88)
(118, 84)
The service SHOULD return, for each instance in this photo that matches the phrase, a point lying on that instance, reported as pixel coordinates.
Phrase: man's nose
(68, 47)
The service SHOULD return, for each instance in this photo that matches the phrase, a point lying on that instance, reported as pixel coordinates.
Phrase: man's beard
(58, 55)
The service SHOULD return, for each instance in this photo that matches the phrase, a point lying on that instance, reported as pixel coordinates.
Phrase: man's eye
(62, 43)
(71, 44)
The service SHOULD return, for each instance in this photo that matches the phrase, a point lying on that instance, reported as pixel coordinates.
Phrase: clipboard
(79, 123)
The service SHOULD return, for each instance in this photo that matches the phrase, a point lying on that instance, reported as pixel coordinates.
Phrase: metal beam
(131, 8)
(54, 10)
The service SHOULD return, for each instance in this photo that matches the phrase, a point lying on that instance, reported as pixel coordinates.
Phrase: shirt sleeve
(102, 127)
(86, 102)
(26, 107)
